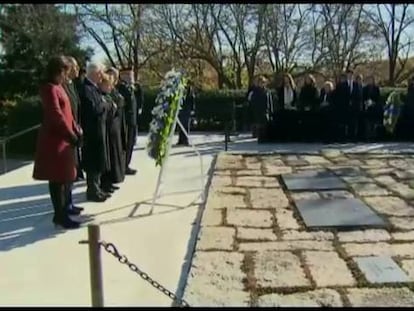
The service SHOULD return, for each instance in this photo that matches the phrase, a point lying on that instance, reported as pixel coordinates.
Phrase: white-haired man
(95, 159)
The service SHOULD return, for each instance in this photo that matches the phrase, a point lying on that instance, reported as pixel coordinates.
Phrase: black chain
(111, 248)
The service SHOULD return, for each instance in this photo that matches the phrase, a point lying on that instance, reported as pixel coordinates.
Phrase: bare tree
(392, 22)
(119, 30)
(285, 34)
(228, 40)
(249, 20)
(193, 33)
(341, 35)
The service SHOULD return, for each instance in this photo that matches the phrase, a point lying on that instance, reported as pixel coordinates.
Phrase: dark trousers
(78, 157)
(106, 181)
(59, 197)
(263, 132)
(184, 119)
(287, 125)
(326, 125)
(353, 125)
(93, 182)
(68, 191)
(182, 138)
(131, 139)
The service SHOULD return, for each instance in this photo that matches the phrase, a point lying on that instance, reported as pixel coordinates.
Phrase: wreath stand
(157, 192)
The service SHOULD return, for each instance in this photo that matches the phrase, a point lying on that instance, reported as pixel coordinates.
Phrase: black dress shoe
(77, 208)
(96, 197)
(105, 194)
(130, 171)
(182, 143)
(65, 223)
(73, 212)
(108, 190)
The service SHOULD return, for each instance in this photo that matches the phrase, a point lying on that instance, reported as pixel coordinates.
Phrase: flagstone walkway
(253, 248)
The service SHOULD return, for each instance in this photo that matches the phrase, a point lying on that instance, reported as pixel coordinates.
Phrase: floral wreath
(167, 104)
(392, 110)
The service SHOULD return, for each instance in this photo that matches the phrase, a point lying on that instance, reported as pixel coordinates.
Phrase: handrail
(5, 140)
(8, 138)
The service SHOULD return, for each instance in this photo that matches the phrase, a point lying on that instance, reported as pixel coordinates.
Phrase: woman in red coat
(58, 136)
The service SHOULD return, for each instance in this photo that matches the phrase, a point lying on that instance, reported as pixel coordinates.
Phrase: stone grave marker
(381, 269)
(313, 180)
(337, 213)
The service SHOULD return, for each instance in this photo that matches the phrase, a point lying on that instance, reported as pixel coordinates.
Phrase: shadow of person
(31, 190)
(24, 223)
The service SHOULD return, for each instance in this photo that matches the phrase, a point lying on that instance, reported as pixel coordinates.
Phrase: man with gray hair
(93, 119)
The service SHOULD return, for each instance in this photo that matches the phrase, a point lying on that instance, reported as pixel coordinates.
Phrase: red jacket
(55, 156)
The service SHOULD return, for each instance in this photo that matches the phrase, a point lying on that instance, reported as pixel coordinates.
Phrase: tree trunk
(392, 55)
(239, 77)
(220, 80)
(250, 74)
(391, 73)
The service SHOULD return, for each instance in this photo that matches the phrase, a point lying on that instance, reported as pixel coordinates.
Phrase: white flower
(157, 110)
(154, 127)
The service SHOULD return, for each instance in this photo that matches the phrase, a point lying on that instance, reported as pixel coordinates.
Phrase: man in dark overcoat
(74, 99)
(186, 111)
(127, 90)
(93, 119)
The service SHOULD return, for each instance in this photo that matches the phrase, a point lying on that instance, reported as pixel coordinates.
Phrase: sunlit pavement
(42, 266)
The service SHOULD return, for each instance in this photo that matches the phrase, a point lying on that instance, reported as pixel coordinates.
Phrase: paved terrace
(41, 266)
(254, 249)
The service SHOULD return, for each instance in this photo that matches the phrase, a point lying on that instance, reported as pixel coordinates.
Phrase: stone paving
(254, 250)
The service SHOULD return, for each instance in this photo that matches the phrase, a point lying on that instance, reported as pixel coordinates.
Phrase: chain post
(95, 265)
(226, 136)
(4, 156)
(96, 276)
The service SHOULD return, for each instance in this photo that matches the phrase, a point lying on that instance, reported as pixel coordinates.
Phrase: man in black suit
(73, 95)
(94, 153)
(127, 90)
(139, 97)
(72, 90)
(186, 110)
(354, 97)
(340, 109)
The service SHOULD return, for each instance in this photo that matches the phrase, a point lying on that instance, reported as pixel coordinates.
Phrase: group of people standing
(89, 124)
(347, 110)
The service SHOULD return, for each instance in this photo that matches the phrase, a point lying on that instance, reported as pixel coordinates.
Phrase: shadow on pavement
(24, 223)
(13, 164)
(24, 191)
(145, 203)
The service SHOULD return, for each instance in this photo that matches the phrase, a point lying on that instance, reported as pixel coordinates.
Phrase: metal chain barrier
(111, 248)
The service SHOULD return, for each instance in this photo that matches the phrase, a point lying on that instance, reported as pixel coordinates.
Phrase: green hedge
(213, 110)
(25, 113)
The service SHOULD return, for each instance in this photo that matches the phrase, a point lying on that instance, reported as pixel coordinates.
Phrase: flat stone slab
(328, 269)
(324, 297)
(309, 174)
(279, 269)
(347, 171)
(380, 297)
(216, 279)
(381, 269)
(338, 213)
(313, 180)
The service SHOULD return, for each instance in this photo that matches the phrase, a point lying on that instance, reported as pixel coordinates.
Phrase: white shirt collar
(94, 84)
